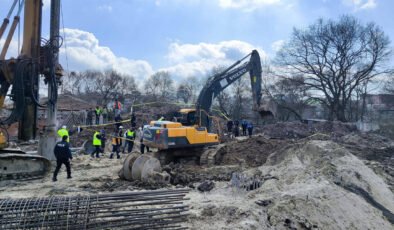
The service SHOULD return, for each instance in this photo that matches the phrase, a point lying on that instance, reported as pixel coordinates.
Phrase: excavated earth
(320, 176)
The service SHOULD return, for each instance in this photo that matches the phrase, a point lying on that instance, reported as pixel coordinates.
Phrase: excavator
(19, 84)
(191, 136)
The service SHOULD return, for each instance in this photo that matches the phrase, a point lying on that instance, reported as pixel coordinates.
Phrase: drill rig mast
(22, 74)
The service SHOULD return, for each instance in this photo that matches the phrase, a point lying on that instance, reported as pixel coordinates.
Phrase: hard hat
(64, 127)
(139, 128)
(120, 127)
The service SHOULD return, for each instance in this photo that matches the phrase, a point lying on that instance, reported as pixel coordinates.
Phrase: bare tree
(291, 96)
(241, 92)
(389, 86)
(335, 57)
(184, 92)
(159, 84)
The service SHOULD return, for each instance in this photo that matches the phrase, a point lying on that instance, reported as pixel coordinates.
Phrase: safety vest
(98, 111)
(96, 141)
(63, 132)
(130, 133)
(117, 105)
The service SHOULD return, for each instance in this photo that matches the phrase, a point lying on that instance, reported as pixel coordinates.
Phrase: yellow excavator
(22, 74)
(191, 134)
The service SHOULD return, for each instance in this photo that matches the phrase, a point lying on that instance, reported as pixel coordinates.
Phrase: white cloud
(360, 4)
(247, 5)
(46, 4)
(199, 59)
(84, 52)
(105, 7)
(277, 45)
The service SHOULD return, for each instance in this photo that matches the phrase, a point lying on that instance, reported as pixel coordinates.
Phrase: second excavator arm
(216, 84)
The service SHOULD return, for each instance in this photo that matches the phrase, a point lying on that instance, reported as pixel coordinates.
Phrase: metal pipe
(9, 38)
(7, 19)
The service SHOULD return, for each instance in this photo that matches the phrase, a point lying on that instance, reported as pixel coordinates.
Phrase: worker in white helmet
(63, 132)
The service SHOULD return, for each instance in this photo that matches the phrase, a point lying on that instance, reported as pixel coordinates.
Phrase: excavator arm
(216, 84)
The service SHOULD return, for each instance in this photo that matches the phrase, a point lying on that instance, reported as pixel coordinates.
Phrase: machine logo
(236, 75)
(147, 134)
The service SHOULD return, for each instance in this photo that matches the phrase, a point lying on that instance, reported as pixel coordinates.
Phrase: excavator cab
(187, 117)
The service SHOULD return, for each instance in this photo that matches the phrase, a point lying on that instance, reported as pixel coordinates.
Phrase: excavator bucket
(268, 108)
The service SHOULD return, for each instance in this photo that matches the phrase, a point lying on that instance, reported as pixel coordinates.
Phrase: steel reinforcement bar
(130, 210)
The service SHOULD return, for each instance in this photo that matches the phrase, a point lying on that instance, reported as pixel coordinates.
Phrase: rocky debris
(206, 186)
(263, 203)
(187, 175)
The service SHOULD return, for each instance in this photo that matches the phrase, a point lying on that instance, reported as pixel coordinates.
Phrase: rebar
(129, 210)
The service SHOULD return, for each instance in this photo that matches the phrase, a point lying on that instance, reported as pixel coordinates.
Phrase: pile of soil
(318, 185)
(378, 151)
(252, 152)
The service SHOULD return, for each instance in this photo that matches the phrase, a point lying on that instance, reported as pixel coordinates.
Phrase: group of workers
(246, 126)
(118, 137)
(103, 114)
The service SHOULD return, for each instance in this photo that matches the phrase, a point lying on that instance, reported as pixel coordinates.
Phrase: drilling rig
(19, 82)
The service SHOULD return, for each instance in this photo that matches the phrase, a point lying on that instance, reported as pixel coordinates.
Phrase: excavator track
(20, 166)
(211, 156)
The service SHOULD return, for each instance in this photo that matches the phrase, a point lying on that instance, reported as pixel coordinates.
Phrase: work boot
(54, 179)
(118, 156)
(97, 156)
(111, 156)
(69, 177)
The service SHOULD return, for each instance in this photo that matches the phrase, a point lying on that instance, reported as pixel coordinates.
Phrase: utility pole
(48, 140)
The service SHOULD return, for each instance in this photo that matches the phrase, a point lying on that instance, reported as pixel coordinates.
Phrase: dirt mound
(309, 171)
(318, 185)
(377, 150)
(251, 151)
(298, 130)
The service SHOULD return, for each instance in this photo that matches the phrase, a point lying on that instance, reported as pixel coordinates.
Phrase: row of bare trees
(331, 63)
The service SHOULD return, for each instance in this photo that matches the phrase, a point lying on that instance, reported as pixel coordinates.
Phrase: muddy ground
(326, 176)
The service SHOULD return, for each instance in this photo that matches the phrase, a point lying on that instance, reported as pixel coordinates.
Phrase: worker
(230, 126)
(89, 120)
(116, 142)
(141, 138)
(63, 132)
(105, 114)
(118, 121)
(130, 136)
(236, 131)
(244, 125)
(250, 129)
(97, 112)
(117, 107)
(97, 144)
(63, 156)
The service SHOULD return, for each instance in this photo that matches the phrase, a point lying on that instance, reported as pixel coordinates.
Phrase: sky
(187, 37)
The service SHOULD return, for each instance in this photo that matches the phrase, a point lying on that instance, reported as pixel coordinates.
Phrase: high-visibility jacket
(117, 105)
(63, 132)
(98, 111)
(130, 134)
(96, 140)
(117, 138)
